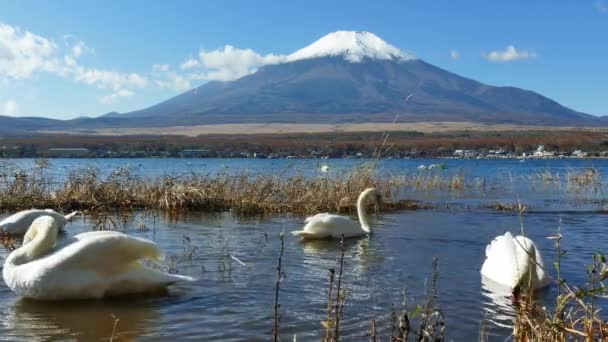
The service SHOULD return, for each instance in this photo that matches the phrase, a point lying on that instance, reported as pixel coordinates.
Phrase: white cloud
(112, 98)
(9, 108)
(175, 82)
(227, 63)
(23, 54)
(69, 61)
(231, 63)
(76, 51)
(509, 55)
(109, 79)
(454, 54)
(160, 67)
(601, 6)
(76, 46)
(190, 63)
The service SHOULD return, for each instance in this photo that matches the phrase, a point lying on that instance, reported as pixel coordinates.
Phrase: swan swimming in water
(89, 265)
(514, 262)
(330, 226)
(17, 224)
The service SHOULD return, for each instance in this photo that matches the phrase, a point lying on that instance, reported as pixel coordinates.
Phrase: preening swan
(17, 224)
(324, 226)
(89, 265)
(514, 262)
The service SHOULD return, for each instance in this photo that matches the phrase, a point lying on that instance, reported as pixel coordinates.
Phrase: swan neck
(43, 241)
(364, 218)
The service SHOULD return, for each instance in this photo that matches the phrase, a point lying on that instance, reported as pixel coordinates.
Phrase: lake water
(232, 302)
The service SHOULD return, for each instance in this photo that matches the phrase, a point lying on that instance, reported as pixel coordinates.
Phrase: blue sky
(64, 59)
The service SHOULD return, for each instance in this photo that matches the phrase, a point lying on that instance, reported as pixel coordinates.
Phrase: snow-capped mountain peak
(354, 46)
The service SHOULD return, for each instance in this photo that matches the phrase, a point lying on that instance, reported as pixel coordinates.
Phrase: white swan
(324, 168)
(514, 262)
(17, 224)
(421, 167)
(89, 265)
(324, 226)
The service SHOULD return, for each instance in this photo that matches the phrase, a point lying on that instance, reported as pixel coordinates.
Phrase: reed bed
(243, 193)
(586, 180)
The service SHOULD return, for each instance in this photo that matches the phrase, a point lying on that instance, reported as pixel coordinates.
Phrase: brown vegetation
(86, 189)
(575, 316)
(333, 144)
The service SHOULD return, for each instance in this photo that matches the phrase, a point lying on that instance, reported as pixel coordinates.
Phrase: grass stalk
(277, 318)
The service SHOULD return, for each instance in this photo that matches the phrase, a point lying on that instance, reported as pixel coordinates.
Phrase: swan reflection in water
(86, 320)
(361, 255)
(499, 305)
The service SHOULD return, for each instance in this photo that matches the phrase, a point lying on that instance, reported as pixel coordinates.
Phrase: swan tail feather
(178, 278)
(500, 244)
(305, 234)
(70, 216)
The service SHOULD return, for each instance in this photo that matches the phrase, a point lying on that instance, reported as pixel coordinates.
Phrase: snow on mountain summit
(353, 46)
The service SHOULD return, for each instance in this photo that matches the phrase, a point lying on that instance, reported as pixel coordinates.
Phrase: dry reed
(280, 276)
(575, 315)
(243, 194)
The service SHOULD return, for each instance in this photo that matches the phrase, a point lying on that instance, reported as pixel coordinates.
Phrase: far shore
(283, 128)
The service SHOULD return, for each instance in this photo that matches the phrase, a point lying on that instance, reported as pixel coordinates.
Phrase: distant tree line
(334, 145)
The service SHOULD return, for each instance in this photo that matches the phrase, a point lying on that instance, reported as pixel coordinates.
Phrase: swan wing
(93, 265)
(541, 277)
(500, 265)
(318, 217)
(326, 225)
(104, 252)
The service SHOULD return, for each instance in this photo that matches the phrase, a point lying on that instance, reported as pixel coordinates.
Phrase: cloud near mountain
(230, 63)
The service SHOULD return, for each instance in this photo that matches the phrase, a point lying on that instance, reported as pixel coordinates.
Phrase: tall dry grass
(575, 316)
(87, 189)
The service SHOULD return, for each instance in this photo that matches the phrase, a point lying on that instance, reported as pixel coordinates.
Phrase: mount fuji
(344, 77)
(347, 77)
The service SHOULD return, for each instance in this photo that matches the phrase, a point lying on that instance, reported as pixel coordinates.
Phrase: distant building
(470, 153)
(195, 153)
(68, 152)
(579, 154)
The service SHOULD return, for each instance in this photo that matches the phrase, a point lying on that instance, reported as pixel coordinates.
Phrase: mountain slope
(333, 89)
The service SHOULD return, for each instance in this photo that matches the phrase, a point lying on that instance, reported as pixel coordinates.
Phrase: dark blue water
(232, 302)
